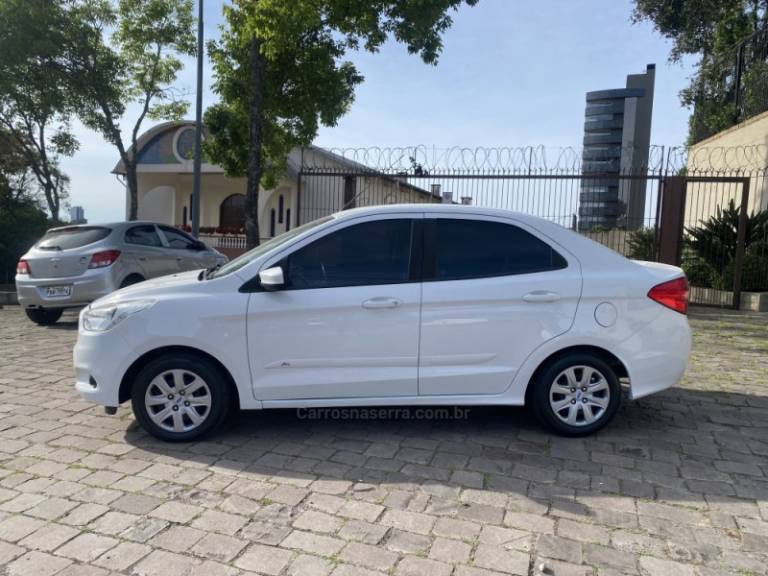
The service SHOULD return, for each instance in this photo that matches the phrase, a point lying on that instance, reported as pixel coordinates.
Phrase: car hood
(155, 287)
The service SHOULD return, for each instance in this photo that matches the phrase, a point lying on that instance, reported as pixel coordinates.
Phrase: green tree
(710, 29)
(280, 72)
(36, 103)
(22, 221)
(138, 64)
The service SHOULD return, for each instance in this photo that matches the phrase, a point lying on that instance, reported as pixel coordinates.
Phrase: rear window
(67, 238)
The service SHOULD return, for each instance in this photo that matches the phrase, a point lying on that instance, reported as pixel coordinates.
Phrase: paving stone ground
(677, 485)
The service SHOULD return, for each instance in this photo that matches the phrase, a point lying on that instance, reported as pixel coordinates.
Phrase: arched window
(232, 211)
(280, 209)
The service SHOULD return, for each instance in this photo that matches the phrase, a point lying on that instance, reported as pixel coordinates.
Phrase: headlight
(103, 317)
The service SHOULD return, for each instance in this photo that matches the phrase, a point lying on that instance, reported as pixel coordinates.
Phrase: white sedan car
(392, 306)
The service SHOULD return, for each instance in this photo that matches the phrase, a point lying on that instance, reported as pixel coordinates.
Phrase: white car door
(346, 323)
(493, 291)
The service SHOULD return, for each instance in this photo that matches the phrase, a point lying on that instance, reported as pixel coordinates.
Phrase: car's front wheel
(180, 397)
(577, 394)
(44, 316)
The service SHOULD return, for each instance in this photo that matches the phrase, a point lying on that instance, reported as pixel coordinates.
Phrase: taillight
(22, 267)
(104, 259)
(672, 294)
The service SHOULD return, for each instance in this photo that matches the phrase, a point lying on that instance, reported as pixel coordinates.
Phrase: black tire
(220, 397)
(131, 280)
(44, 316)
(546, 380)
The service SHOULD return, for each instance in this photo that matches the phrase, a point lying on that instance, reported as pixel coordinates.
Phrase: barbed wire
(422, 160)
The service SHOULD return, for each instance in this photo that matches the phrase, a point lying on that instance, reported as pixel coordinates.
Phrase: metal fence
(670, 211)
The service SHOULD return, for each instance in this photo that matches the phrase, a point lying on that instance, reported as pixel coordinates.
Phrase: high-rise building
(77, 215)
(617, 138)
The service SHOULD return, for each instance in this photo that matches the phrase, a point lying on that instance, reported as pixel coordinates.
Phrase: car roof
(429, 207)
(120, 224)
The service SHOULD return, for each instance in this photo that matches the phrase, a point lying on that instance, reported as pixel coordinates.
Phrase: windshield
(262, 249)
(75, 237)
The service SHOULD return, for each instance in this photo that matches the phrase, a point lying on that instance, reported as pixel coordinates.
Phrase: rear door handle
(381, 302)
(541, 296)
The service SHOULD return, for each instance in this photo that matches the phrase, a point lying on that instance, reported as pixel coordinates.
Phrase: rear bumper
(86, 288)
(657, 354)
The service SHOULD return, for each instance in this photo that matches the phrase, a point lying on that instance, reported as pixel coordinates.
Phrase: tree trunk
(132, 184)
(51, 198)
(255, 135)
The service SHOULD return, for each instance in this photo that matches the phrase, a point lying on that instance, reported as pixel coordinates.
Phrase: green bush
(642, 244)
(713, 243)
(699, 273)
(754, 274)
(22, 223)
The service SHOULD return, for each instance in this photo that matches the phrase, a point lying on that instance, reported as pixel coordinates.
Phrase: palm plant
(715, 240)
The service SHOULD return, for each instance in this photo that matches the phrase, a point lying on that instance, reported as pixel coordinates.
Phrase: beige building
(164, 172)
(741, 150)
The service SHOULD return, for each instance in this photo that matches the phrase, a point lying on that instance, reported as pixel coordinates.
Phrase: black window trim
(414, 263)
(429, 264)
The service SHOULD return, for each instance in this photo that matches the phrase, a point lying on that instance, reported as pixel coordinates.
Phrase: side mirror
(199, 246)
(272, 278)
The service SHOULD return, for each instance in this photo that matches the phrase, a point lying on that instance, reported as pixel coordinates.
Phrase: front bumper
(86, 288)
(100, 360)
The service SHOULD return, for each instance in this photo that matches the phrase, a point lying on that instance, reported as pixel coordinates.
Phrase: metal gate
(648, 215)
(704, 230)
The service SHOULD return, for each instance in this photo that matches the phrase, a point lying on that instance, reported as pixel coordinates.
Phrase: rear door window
(468, 249)
(177, 238)
(74, 237)
(144, 235)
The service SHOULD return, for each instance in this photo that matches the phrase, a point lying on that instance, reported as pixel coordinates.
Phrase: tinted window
(476, 249)
(363, 254)
(264, 247)
(74, 237)
(145, 235)
(177, 238)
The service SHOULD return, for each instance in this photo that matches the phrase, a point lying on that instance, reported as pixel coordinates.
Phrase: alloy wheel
(178, 400)
(579, 395)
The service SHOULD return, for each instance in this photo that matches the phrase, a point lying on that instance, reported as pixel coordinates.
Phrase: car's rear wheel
(44, 316)
(131, 280)
(577, 394)
(180, 397)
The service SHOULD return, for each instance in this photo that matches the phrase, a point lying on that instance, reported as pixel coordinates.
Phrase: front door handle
(381, 302)
(541, 296)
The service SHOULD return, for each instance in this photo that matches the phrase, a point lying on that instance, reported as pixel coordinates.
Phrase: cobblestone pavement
(678, 485)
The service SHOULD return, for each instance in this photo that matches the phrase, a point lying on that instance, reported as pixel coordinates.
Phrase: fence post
(741, 241)
(671, 224)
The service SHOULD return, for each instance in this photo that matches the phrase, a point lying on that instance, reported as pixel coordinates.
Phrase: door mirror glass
(272, 278)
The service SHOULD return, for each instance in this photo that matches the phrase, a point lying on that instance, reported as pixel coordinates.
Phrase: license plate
(58, 291)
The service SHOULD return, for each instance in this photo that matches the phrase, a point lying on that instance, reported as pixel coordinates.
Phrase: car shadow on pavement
(682, 446)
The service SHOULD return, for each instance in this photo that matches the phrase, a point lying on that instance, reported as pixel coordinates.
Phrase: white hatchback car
(391, 306)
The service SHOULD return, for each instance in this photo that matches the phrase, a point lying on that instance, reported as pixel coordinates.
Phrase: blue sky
(512, 73)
